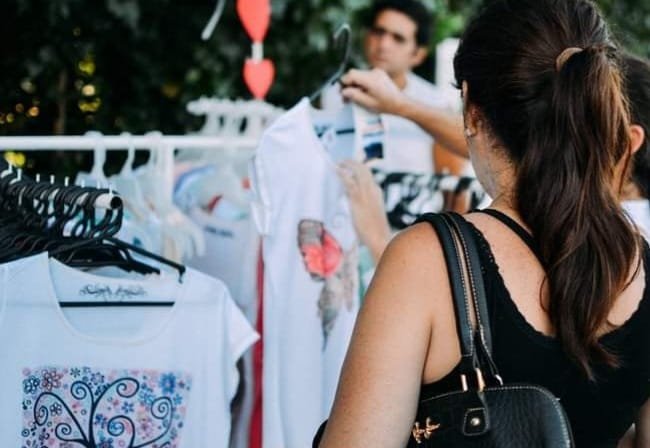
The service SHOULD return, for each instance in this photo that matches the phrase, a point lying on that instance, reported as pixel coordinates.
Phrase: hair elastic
(565, 56)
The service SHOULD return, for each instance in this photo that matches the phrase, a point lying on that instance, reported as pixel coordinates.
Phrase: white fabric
(297, 195)
(639, 213)
(339, 146)
(407, 148)
(231, 256)
(117, 371)
(232, 248)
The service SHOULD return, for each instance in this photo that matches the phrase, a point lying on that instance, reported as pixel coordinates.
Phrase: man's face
(390, 44)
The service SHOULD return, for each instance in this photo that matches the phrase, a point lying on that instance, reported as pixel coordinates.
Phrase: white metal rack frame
(164, 145)
(123, 142)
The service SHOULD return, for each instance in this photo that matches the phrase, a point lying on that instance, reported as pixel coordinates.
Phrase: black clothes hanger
(344, 35)
(66, 222)
(98, 247)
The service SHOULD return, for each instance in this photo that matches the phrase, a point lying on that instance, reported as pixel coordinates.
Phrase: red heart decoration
(255, 15)
(258, 76)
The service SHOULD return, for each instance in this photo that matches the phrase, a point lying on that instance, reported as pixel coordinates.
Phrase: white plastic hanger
(214, 19)
(125, 181)
(96, 176)
(227, 182)
(143, 224)
(8, 170)
(183, 238)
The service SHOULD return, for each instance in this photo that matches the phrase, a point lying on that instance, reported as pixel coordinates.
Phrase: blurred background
(69, 66)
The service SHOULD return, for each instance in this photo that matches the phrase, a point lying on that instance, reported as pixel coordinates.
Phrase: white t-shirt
(310, 277)
(407, 147)
(115, 377)
(639, 211)
(232, 250)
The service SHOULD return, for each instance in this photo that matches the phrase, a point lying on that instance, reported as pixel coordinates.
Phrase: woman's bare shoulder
(413, 263)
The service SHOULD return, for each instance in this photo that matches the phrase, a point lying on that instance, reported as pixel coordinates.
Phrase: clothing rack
(123, 142)
(224, 115)
(162, 144)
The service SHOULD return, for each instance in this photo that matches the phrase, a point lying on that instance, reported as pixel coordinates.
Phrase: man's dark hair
(415, 10)
(637, 84)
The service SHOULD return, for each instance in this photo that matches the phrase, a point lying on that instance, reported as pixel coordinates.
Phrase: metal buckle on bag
(479, 380)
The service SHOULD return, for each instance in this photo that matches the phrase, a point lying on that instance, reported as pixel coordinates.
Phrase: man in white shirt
(396, 42)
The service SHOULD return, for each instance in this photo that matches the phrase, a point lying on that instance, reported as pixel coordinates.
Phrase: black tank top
(600, 413)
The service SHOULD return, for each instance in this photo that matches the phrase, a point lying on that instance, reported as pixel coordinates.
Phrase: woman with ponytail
(547, 125)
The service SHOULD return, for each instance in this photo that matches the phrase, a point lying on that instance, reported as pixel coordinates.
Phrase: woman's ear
(637, 137)
(470, 114)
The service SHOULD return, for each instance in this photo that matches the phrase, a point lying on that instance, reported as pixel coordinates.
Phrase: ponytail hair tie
(565, 56)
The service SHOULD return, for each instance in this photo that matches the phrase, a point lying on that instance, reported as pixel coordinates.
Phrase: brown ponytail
(564, 124)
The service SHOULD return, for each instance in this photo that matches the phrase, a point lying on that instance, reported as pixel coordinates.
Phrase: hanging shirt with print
(116, 377)
(310, 276)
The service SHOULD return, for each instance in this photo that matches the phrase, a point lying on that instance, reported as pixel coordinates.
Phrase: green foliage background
(145, 59)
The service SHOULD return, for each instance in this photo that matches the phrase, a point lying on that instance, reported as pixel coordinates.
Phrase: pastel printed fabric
(81, 406)
(116, 377)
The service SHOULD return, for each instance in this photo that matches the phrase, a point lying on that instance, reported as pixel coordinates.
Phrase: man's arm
(375, 90)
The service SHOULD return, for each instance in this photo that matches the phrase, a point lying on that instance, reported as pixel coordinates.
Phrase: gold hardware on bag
(429, 428)
(426, 432)
(417, 433)
(479, 380)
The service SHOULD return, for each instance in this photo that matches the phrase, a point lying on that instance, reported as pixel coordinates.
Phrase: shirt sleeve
(241, 336)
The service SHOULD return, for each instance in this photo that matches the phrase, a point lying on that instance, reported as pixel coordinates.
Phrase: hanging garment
(407, 148)
(232, 247)
(310, 276)
(350, 133)
(409, 195)
(119, 376)
(232, 244)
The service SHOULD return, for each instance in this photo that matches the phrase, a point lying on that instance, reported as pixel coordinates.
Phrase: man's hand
(367, 206)
(374, 90)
